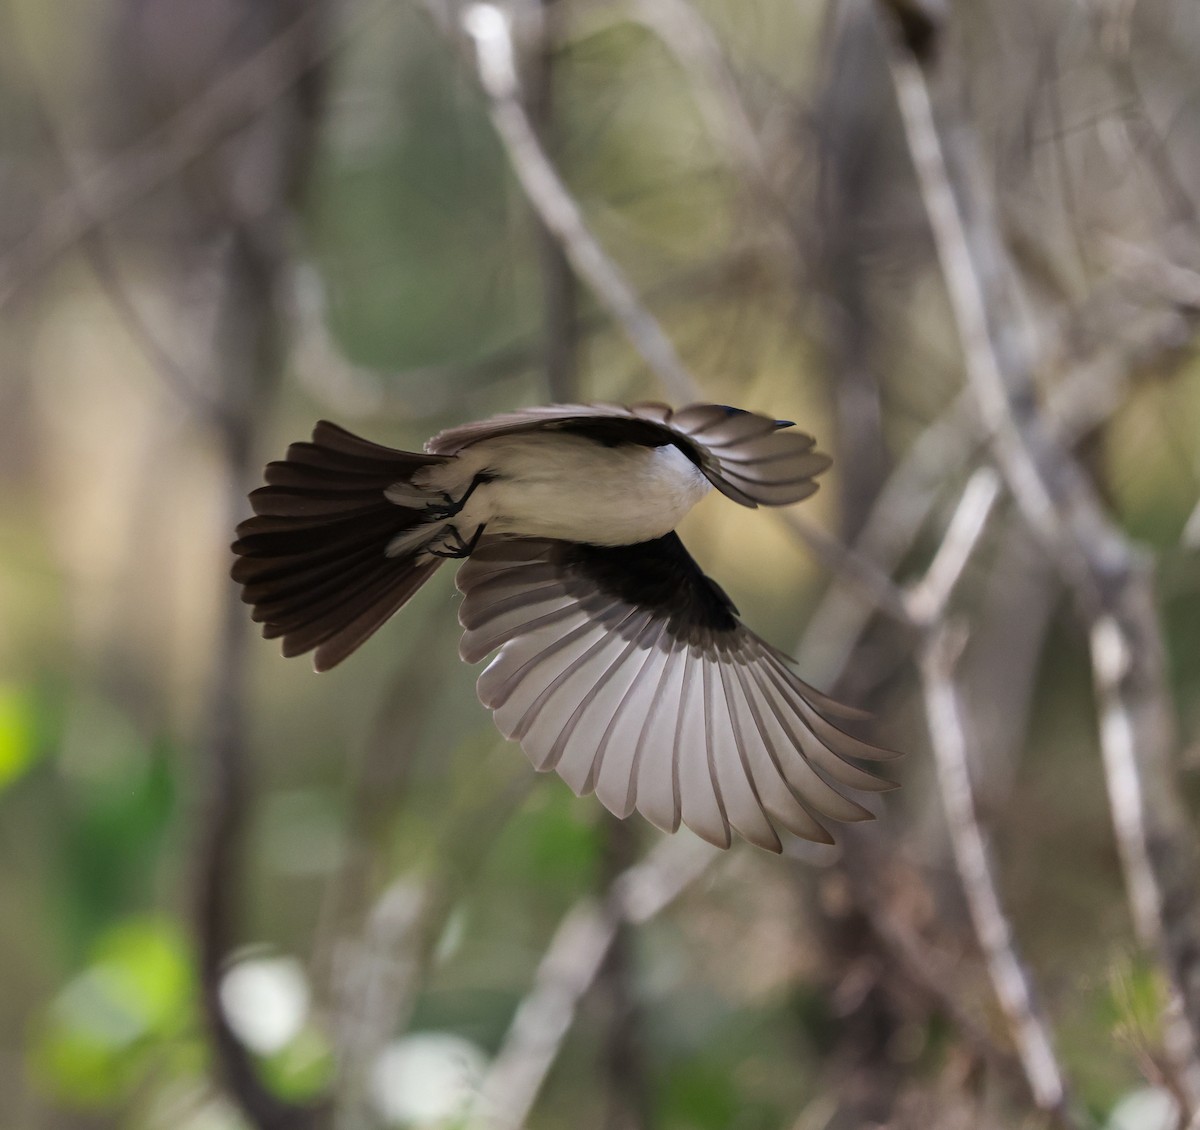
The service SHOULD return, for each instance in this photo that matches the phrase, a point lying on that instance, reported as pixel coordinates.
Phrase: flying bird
(618, 664)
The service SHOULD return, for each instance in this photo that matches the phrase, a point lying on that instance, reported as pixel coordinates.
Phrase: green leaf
(18, 734)
(149, 963)
(303, 1069)
(554, 841)
(101, 1033)
(700, 1096)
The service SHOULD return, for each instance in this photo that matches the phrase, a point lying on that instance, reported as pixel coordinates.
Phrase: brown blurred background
(958, 242)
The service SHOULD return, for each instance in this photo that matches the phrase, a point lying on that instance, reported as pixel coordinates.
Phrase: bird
(617, 662)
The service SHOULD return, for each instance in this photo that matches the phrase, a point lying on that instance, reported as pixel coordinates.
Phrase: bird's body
(552, 485)
(620, 664)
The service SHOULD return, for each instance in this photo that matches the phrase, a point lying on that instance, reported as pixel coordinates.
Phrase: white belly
(558, 486)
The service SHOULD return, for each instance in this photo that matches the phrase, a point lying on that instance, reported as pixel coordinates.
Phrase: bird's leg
(470, 546)
(448, 508)
(454, 546)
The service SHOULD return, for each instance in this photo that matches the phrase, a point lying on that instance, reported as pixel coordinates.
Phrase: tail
(314, 560)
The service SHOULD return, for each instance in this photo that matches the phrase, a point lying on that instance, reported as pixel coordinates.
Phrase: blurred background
(234, 894)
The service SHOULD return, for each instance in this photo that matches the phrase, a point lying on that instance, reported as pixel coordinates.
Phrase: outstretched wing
(753, 459)
(627, 671)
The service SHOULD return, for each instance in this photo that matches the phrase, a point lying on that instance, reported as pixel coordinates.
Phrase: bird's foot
(450, 507)
(447, 508)
(453, 546)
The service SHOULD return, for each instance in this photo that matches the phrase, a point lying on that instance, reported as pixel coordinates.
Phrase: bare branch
(250, 356)
(488, 25)
(948, 740)
(1175, 282)
(1109, 583)
(560, 314)
(568, 968)
(1089, 393)
(927, 600)
(1110, 662)
(957, 253)
(852, 567)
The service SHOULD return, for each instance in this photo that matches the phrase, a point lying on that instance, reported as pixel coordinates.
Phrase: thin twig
(936, 980)
(99, 253)
(1177, 283)
(964, 288)
(852, 567)
(250, 357)
(928, 598)
(488, 26)
(1090, 392)
(378, 972)
(568, 968)
(560, 314)
(948, 740)
(1110, 663)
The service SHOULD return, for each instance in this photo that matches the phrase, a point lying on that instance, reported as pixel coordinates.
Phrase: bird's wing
(753, 459)
(627, 671)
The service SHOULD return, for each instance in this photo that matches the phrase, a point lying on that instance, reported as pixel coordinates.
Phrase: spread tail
(328, 556)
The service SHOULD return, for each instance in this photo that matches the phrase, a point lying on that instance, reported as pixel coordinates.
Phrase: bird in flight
(619, 664)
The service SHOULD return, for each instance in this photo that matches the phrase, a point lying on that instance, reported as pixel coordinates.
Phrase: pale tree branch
(560, 297)
(1035, 1068)
(1110, 583)
(1090, 392)
(929, 597)
(569, 967)
(489, 27)
(948, 739)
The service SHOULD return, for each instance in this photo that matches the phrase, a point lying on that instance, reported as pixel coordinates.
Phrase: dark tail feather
(312, 561)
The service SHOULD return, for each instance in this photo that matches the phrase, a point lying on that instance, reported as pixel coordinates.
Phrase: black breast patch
(659, 576)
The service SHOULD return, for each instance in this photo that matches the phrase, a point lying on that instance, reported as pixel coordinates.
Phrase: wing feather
(746, 810)
(791, 744)
(609, 665)
(507, 624)
(527, 657)
(626, 671)
(729, 430)
(779, 798)
(700, 807)
(634, 704)
(545, 718)
(655, 766)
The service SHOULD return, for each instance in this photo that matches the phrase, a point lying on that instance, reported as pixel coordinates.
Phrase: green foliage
(120, 1018)
(19, 746)
(118, 816)
(706, 1093)
(553, 843)
(302, 1069)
